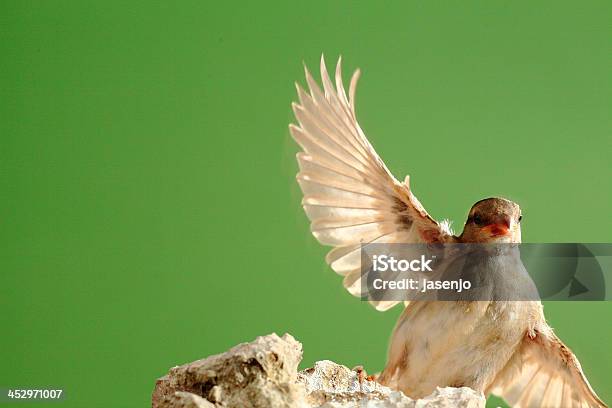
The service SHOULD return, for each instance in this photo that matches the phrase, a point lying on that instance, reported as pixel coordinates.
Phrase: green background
(149, 214)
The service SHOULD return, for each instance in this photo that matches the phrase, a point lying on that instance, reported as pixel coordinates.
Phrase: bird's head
(494, 220)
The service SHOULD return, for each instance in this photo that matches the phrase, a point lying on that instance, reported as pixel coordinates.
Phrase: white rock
(182, 399)
(329, 385)
(260, 374)
(263, 374)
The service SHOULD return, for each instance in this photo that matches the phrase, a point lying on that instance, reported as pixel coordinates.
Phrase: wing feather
(548, 375)
(350, 196)
(351, 234)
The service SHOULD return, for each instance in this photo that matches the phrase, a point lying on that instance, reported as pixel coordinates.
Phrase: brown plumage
(351, 198)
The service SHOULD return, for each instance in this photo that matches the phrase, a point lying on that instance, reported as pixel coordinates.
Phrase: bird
(505, 348)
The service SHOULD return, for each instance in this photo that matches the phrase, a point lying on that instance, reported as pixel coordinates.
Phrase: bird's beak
(499, 228)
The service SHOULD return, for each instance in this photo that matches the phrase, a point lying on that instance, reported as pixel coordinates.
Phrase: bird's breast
(456, 343)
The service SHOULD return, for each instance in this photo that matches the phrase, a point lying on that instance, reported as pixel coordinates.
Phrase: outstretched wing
(545, 374)
(350, 196)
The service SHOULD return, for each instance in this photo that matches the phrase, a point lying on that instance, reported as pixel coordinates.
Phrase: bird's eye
(477, 219)
(520, 218)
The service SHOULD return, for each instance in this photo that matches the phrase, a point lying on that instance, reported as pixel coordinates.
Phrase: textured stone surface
(258, 374)
(263, 373)
(181, 399)
(449, 397)
(329, 385)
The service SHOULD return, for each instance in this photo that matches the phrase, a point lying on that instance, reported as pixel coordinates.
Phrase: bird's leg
(361, 375)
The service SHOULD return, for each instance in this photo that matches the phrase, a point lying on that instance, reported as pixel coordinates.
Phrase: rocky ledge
(263, 374)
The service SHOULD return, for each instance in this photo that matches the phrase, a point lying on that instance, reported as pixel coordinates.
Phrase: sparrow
(504, 348)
